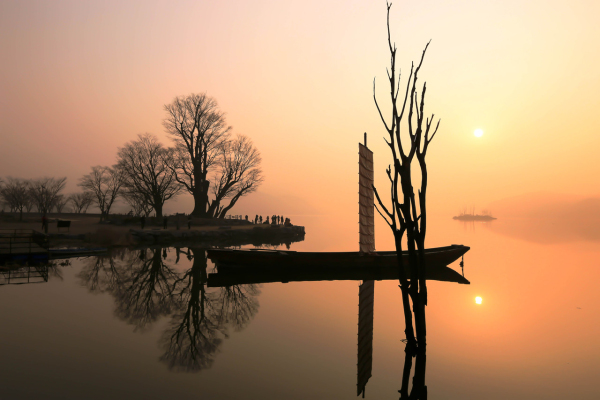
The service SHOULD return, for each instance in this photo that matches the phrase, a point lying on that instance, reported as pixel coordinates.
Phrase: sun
(478, 133)
(478, 300)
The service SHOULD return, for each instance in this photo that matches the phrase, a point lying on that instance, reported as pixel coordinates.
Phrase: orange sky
(79, 79)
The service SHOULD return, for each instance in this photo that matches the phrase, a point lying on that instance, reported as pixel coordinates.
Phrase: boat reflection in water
(204, 303)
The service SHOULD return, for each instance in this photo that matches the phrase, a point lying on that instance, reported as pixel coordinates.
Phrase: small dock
(23, 245)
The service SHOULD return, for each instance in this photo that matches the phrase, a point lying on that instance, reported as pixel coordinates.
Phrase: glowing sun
(478, 300)
(478, 133)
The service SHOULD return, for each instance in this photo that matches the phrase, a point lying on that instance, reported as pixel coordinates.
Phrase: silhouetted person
(165, 222)
(287, 222)
(281, 219)
(189, 222)
(143, 221)
(44, 223)
(256, 219)
(260, 219)
(267, 220)
(246, 218)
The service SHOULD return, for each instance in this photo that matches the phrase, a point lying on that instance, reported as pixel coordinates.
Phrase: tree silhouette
(407, 214)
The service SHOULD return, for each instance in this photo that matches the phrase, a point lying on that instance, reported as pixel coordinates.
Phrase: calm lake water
(125, 327)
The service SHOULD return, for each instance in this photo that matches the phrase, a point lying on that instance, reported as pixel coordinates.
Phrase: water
(535, 335)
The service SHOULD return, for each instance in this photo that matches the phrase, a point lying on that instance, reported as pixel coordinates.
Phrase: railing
(24, 274)
(22, 241)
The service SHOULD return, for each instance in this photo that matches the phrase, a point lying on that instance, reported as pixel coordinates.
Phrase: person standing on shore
(44, 223)
(143, 221)
(165, 222)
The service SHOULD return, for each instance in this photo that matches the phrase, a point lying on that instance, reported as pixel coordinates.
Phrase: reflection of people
(190, 221)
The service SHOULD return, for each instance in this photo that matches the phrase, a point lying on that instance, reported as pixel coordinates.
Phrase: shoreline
(118, 231)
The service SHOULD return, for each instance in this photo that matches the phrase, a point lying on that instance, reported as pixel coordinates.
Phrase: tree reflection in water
(197, 330)
(145, 292)
(419, 389)
(146, 288)
(100, 274)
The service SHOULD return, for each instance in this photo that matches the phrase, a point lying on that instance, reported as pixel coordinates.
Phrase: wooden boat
(441, 256)
(228, 276)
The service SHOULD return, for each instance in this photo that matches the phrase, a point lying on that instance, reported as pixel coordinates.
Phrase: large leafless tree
(148, 178)
(238, 174)
(45, 192)
(198, 129)
(409, 134)
(104, 184)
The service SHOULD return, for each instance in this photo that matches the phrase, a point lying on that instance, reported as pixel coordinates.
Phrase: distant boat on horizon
(474, 217)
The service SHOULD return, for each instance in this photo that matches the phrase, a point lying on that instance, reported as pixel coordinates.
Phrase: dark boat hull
(230, 275)
(440, 256)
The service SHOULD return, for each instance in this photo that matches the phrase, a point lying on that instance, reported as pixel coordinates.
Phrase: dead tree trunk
(407, 214)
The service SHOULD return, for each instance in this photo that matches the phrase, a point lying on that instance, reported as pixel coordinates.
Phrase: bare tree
(61, 202)
(198, 129)
(239, 174)
(407, 214)
(138, 203)
(81, 201)
(145, 165)
(104, 184)
(15, 193)
(45, 192)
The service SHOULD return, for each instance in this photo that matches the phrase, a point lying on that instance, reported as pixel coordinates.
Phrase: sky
(80, 79)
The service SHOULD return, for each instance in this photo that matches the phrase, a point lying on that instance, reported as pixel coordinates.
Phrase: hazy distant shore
(471, 217)
(120, 230)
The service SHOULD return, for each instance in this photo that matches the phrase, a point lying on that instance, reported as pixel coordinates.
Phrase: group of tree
(207, 160)
(216, 167)
(42, 195)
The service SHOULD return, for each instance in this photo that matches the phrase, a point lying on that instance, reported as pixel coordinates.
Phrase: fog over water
(530, 338)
